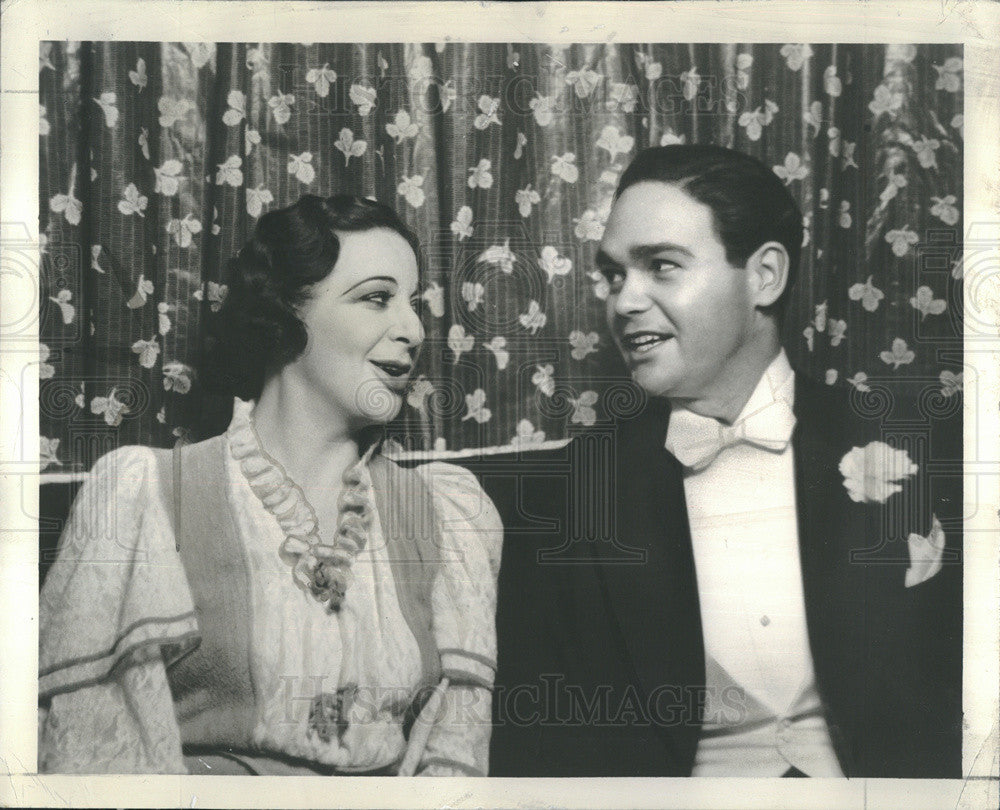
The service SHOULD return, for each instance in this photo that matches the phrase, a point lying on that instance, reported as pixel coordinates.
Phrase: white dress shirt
(763, 713)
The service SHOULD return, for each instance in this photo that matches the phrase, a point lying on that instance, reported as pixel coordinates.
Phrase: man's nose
(631, 297)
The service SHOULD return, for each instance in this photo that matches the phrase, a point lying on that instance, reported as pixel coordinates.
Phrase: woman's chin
(376, 403)
(385, 411)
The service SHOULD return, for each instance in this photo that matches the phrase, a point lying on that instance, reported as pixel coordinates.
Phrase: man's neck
(725, 401)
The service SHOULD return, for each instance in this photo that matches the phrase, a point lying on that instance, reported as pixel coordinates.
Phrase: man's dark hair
(750, 205)
(258, 327)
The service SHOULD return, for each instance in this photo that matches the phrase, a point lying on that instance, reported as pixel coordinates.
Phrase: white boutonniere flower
(925, 554)
(874, 472)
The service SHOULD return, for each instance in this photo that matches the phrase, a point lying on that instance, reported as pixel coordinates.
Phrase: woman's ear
(768, 274)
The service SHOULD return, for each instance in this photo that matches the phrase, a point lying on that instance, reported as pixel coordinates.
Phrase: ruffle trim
(322, 569)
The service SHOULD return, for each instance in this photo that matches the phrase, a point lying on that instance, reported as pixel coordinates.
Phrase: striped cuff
(181, 632)
(467, 668)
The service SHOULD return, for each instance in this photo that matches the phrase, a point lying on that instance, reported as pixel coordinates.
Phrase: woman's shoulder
(128, 456)
(118, 491)
(464, 509)
(441, 471)
(137, 472)
(138, 455)
(127, 470)
(455, 486)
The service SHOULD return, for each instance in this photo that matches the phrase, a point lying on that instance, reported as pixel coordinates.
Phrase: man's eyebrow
(648, 251)
(371, 278)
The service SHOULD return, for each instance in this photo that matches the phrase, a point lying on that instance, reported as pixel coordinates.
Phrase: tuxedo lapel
(655, 601)
(834, 588)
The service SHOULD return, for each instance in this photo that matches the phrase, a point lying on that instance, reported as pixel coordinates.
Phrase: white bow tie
(696, 440)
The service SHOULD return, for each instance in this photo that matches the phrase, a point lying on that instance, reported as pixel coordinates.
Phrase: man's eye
(612, 275)
(664, 265)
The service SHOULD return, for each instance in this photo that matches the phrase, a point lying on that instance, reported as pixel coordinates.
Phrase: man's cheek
(609, 311)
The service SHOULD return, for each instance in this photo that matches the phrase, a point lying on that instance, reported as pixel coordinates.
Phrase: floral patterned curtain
(157, 159)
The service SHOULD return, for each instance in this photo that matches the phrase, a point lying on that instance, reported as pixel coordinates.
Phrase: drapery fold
(156, 159)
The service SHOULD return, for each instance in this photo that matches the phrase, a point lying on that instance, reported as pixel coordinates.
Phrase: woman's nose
(408, 328)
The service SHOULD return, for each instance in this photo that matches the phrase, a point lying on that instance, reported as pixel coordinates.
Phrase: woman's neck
(304, 434)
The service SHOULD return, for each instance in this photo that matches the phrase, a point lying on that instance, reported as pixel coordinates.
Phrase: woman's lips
(394, 375)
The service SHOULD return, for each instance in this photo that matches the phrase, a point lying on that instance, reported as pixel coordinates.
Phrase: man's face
(681, 315)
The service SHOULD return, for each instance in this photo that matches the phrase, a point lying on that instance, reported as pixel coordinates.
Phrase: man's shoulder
(619, 443)
(815, 400)
(879, 411)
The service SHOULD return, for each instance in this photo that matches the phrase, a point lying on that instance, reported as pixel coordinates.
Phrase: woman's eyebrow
(372, 278)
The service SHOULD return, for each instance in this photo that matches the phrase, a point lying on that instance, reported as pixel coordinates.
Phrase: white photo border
(26, 22)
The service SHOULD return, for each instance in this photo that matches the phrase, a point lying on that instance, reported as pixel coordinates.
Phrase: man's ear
(768, 273)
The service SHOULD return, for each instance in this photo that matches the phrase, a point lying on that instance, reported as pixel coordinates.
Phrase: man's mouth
(644, 341)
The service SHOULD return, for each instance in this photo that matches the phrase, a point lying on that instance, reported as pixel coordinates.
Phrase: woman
(282, 598)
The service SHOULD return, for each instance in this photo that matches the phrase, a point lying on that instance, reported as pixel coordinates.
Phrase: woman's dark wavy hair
(258, 328)
(750, 205)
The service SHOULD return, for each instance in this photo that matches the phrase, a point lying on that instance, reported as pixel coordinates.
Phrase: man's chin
(654, 383)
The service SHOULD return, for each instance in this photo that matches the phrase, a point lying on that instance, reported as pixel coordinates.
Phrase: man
(777, 591)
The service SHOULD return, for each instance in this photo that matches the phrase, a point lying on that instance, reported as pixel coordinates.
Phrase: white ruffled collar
(321, 568)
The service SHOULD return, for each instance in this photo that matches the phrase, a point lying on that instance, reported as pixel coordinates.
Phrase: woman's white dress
(116, 611)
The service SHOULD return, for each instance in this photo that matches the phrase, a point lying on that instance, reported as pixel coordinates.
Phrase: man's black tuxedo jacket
(601, 663)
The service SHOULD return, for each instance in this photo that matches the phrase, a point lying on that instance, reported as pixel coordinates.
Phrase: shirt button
(764, 620)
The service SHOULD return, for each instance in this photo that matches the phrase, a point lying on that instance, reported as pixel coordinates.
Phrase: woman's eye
(381, 298)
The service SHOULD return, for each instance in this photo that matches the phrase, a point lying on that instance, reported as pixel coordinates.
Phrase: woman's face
(363, 329)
